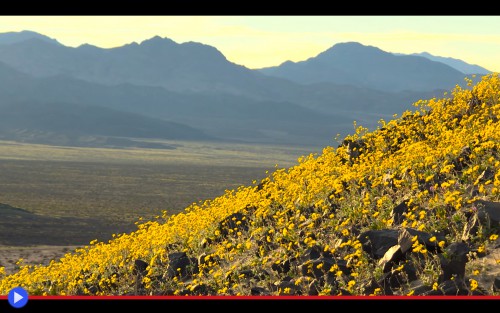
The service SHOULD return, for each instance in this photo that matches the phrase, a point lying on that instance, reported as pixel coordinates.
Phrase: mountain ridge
(458, 64)
(371, 67)
(195, 84)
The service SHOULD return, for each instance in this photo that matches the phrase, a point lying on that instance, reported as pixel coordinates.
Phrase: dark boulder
(421, 290)
(313, 288)
(378, 242)
(488, 213)
(455, 287)
(140, 267)
(398, 211)
(180, 265)
(312, 253)
(454, 261)
(496, 284)
(233, 223)
(397, 252)
(281, 267)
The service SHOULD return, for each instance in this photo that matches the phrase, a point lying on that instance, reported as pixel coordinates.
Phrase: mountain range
(370, 67)
(158, 88)
(457, 64)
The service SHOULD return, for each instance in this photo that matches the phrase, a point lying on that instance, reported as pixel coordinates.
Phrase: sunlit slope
(303, 230)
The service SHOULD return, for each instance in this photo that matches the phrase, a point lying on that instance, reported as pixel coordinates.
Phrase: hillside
(411, 208)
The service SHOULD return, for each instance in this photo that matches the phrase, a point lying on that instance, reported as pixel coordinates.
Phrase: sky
(262, 41)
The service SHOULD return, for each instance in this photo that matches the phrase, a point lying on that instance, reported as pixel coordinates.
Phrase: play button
(18, 297)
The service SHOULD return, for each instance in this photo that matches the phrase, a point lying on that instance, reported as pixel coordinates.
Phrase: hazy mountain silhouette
(352, 63)
(14, 37)
(195, 85)
(457, 64)
(195, 67)
(155, 62)
(29, 106)
(91, 120)
(226, 116)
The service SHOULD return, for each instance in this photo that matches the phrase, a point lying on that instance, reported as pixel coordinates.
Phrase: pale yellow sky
(260, 41)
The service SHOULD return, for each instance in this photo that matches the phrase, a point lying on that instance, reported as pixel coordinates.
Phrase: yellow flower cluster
(325, 200)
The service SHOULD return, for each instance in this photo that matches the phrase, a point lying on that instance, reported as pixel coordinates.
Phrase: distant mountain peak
(349, 44)
(16, 37)
(425, 54)
(350, 47)
(157, 40)
(352, 63)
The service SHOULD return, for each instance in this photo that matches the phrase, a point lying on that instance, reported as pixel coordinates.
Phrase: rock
(496, 284)
(235, 222)
(287, 278)
(396, 279)
(405, 241)
(377, 242)
(488, 213)
(259, 291)
(257, 274)
(331, 279)
(307, 211)
(398, 211)
(462, 160)
(471, 227)
(93, 290)
(394, 254)
(311, 254)
(422, 290)
(313, 288)
(450, 287)
(140, 267)
(287, 288)
(455, 260)
(180, 265)
(370, 287)
(247, 273)
(282, 267)
(487, 174)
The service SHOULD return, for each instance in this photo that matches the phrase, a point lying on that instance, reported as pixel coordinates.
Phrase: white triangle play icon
(17, 297)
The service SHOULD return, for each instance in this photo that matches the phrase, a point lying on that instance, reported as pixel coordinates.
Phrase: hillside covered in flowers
(408, 209)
